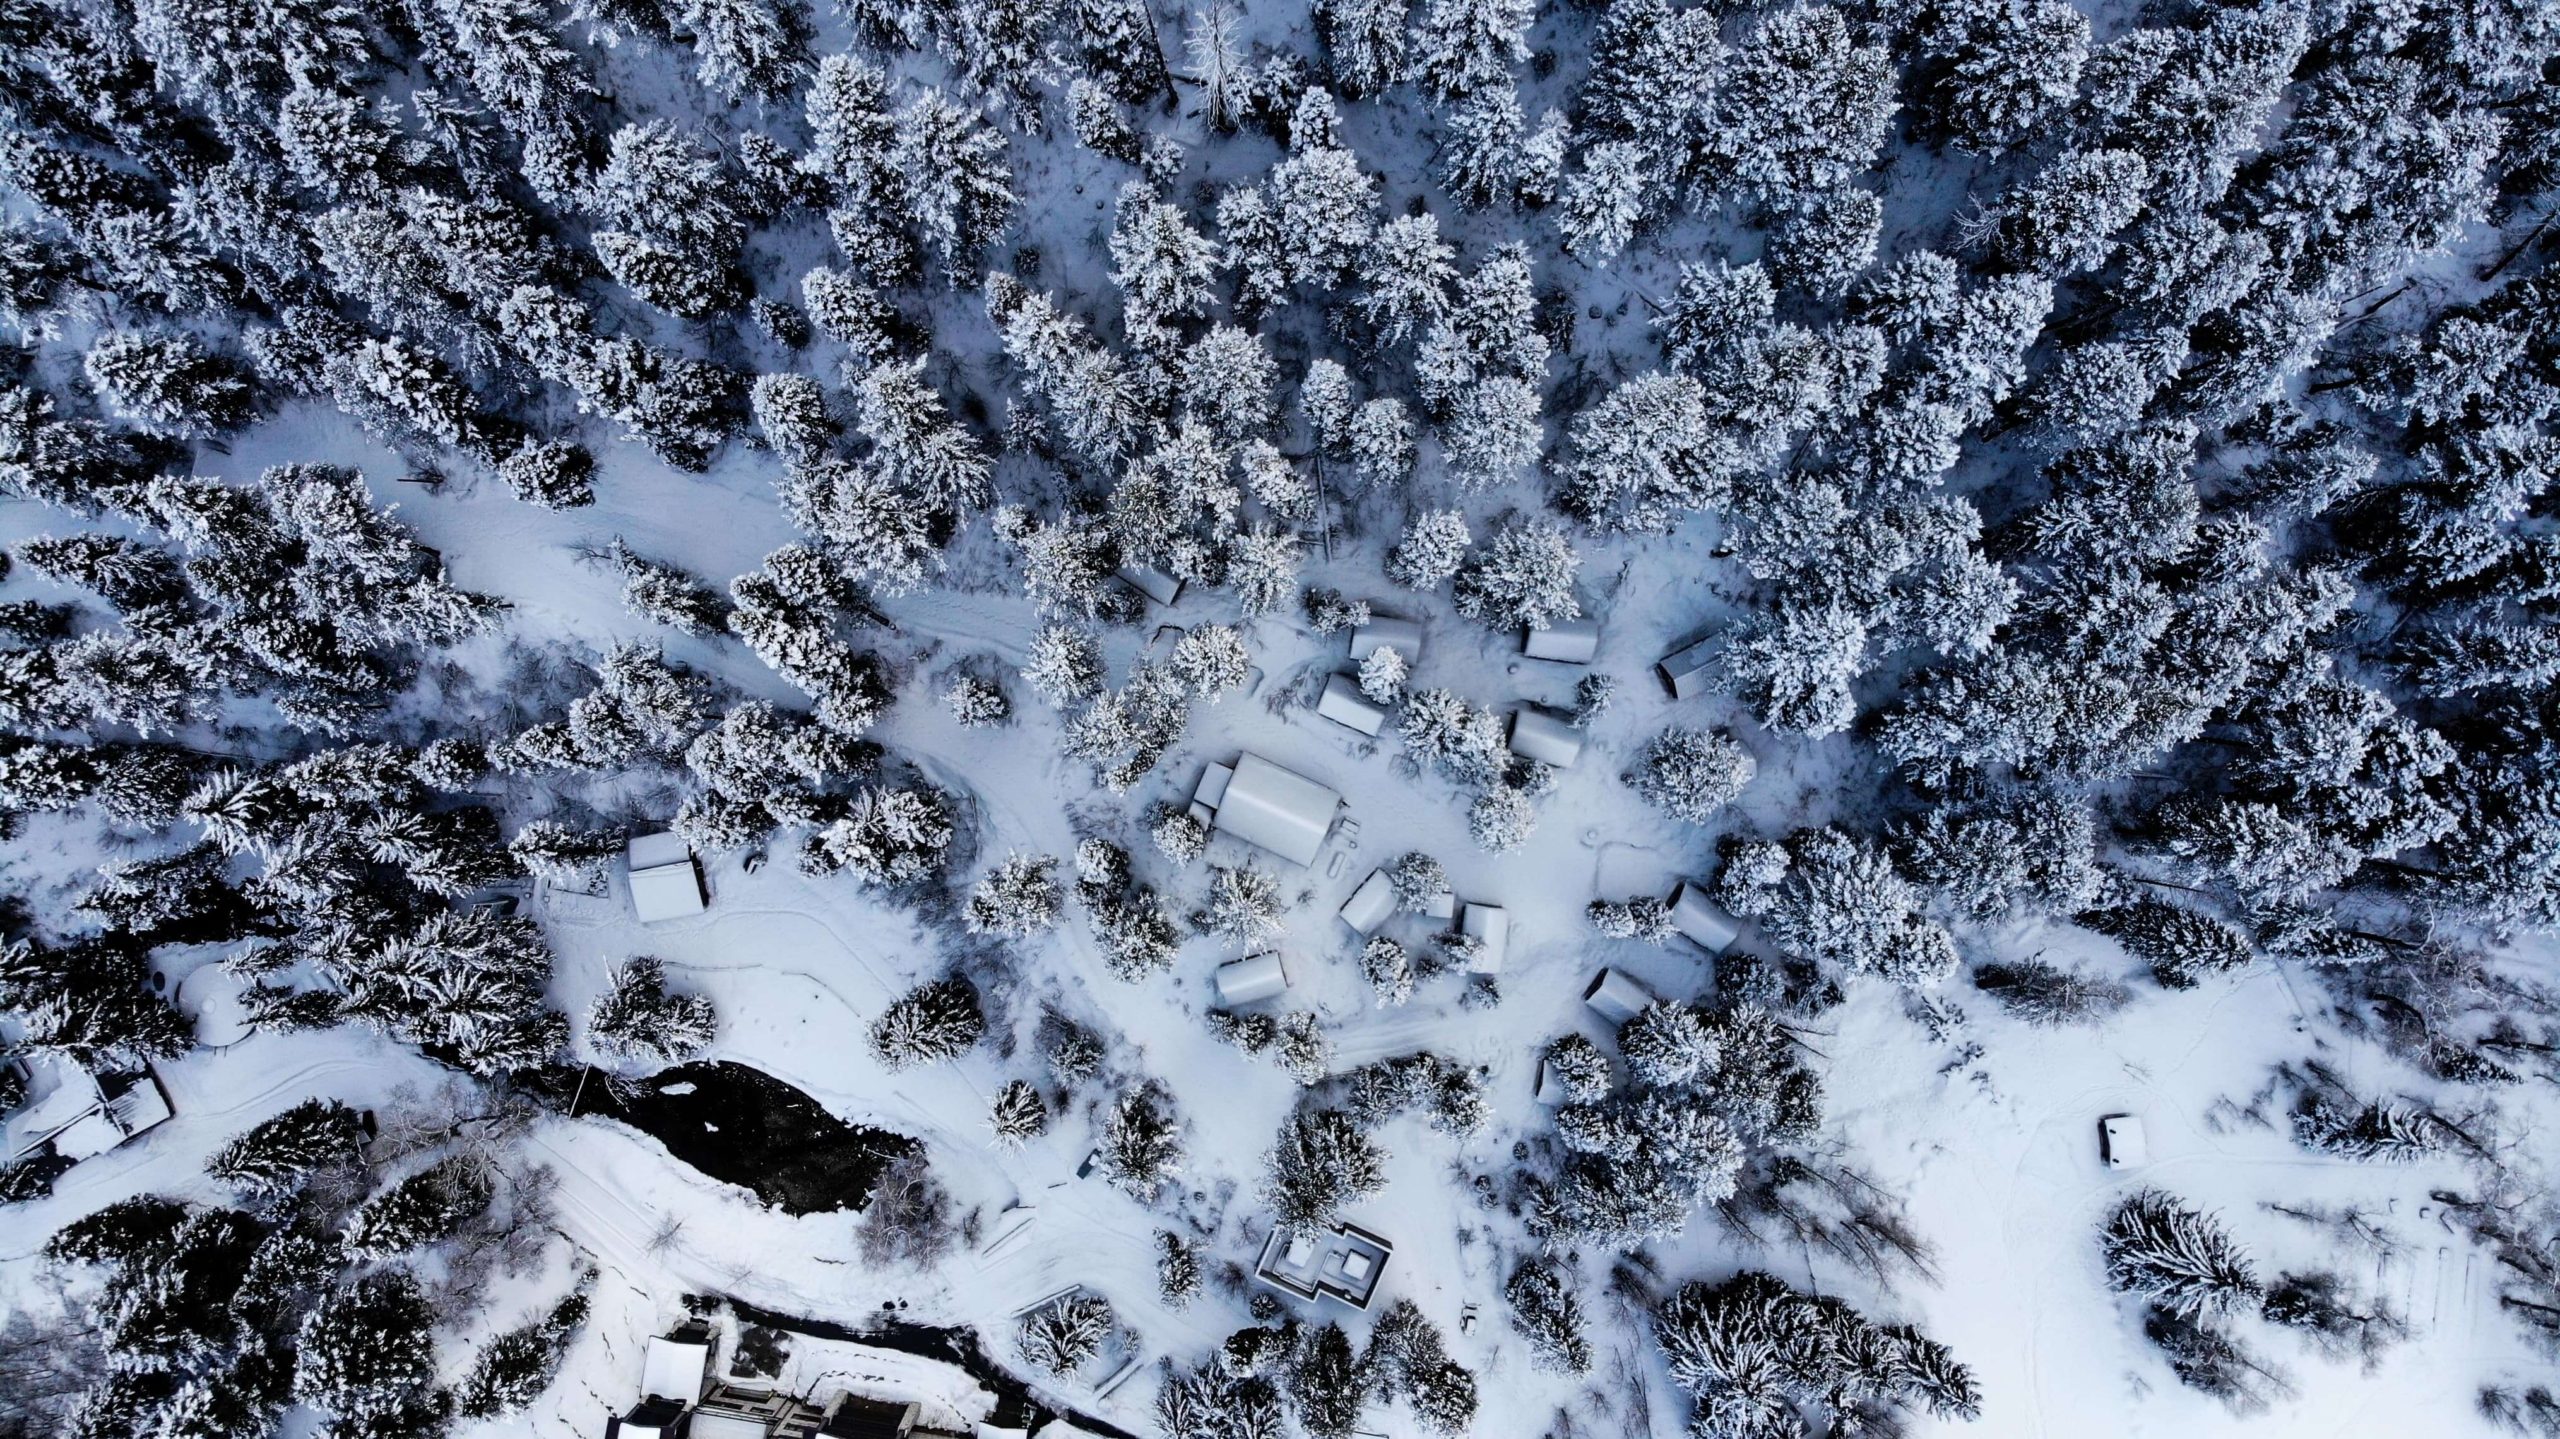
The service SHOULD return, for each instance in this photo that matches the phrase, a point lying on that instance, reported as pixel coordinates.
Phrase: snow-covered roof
(1213, 785)
(1700, 918)
(1256, 977)
(676, 1365)
(1571, 642)
(1551, 1090)
(135, 1101)
(1343, 704)
(1490, 924)
(670, 891)
(1370, 904)
(1388, 633)
(1615, 997)
(2122, 1142)
(1154, 583)
(1280, 810)
(1344, 1263)
(1544, 737)
(1685, 669)
(664, 883)
(90, 1135)
(648, 851)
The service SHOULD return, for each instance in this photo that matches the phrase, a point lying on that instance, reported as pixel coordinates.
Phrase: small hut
(1545, 737)
(1343, 704)
(665, 884)
(1256, 977)
(1566, 642)
(1615, 997)
(1154, 583)
(1701, 919)
(1684, 670)
(1386, 632)
(1370, 904)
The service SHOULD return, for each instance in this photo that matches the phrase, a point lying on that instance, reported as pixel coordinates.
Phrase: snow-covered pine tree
(1162, 265)
(2378, 1129)
(513, 1369)
(637, 1020)
(956, 178)
(1522, 577)
(1389, 970)
(1407, 277)
(1991, 71)
(1461, 47)
(367, 1349)
(1063, 665)
(1382, 676)
(278, 1156)
(2177, 1258)
(1823, 247)
(1548, 1313)
(975, 703)
(1124, 51)
(933, 1022)
(1690, 774)
(1501, 820)
(1802, 107)
(1243, 906)
(168, 383)
(1020, 897)
(432, 1204)
(1603, 203)
(664, 594)
(2180, 944)
(1140, 1144)
(1018, 1115)
(1177, 1269)
(1432, 550)
(1321, 1164)
(554, 474)
(1061, 1337)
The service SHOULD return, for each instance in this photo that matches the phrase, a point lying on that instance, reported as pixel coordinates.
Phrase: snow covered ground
(1997, 1153)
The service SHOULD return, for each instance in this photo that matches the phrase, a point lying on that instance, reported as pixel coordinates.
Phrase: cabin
(1159, 587)
(1252, 978)
(675, 1372)
(665, 882)
(682, 1396)
(1370, 904)
(1343, 704)
(1701, 919)
(1343, 1263)
(84, 1114)
(1684, 671)
(2121, 1141)
(1545, 737)
(1551, 1090)
(1385, 632)
(1489, 926)
(1280, 810)
(1615, 997)
(1566, 642)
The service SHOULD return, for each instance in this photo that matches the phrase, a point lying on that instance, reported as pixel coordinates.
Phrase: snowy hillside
(1428, 717)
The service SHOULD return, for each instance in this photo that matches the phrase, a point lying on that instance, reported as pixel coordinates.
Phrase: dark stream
(745, 1127)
